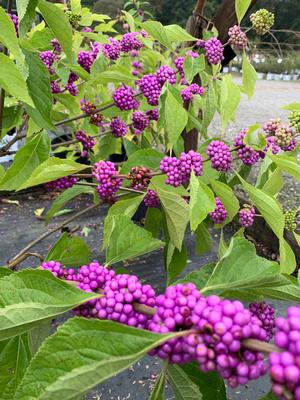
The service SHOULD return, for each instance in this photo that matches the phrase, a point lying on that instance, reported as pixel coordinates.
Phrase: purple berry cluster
(271, 126)
(138, 68)
(85, 59)
(219, 214)
(140, 121)
(223, 325)
(87, 141)
(246, 216)
(87, 107)
(56, 46)
(118, 127)
(55, 88)
(54, 267)
(292, 146)
(151, 88)
(139, 177)
(96, 119)
(220, 155)
(48, 59)
(245, 153)
(112, 50)
(124, 100)
(151, 199)
(72, 88)
(266, 314)
(214, 51)
(188, 92)
(104, 172)
(153, 115)
(178, 62)
(178, 171)
(174, 313)
(60, 184)
(166, 74)
(15, 20)
(130, 42)
(285, 365)
(271, 144)
(237, 37)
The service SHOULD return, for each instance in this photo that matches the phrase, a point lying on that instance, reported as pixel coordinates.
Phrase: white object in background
(295, 77)
(277, 77)
(287, 77)
(260, 76)
(270, 76)
(14, 147)
(225, 70)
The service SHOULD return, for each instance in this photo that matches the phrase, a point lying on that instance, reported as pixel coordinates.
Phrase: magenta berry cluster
(151, 199)
(138, 68)
(237, 37)
(271, 144)
(245, 153)
(214, 51)
(56, 46)
(220, 155)
(188, 92)
(130, 42)
(112, 50)
(48, 59)
(271, 126)
(87, 141)
(62, 183)
(54, 267)
(124, 100)
(174, 313)
(285, 366)
(118, 127)
(246, 216)
(178, 171)
(266, 314)
(55, 88)
(104, 172)
(87, 107)
(219, 214)
(151, 88)
(179, 61)
(292, 146)
(153, 115)
(121, 295)
(140, 121)
(166, 74)
(85, 59)
(15, 20)
(72, 88)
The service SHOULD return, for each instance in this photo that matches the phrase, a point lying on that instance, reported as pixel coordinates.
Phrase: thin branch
(23, 257)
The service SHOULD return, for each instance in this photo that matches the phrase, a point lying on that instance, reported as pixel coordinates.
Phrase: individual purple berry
(246, 216)
(118, 127)
(140, 121)
(266, 314)
(174, 313)
(121, 295)
(87, 29)
(55, 88)
(151, 88)
(87, 141)
(72, 89)
(219, 214)
(151, 199)
(214, 51)
(271, 126)
(237, 37)
(54, 267)
(62, 183)
(220, 155)
(104, 172)
(85, 59)
(166, 74)
(192, 54)
(130, 42)
(15, 20)
(112, 50)
(124, 100)
(153, 115)
(186, 94)
(245, 153)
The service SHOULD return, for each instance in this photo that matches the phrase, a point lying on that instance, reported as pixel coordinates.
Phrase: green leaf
(115, 75)
(183, 387)
(211, 384)
(158, 392)
(176, 118)
(5, 271)
(269, 396)
(192, 66)
(8, 35)
(292, 107)
(241, 268)
(30, 297)
(156, 30)
(130, 20)
(64, 197)
(70, 251)
(200, 277)
(39, 89)
(153, 221)
(51, 169)
(241, 7)
(288, 164)
(176, 211)
(37, 336)
(229, 99)
(30, 156)
(149, 158)
(128, 240)
(12, 81)
(249, 77)
(202, 201)
(57, 20)
(76, 6)
(297, 237)
(228, 198)
(176, 261)
(288, 292)
(14, 359)
(177, 34)
(275, 183)
(22, 8)
(203, 239)
(107, 145)
(92, 350)
(222, 245)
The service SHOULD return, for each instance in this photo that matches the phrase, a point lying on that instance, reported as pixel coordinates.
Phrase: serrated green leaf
(30, 297)
(288, 164)
(157, 31)
(26, 20)
(228, 198)
(149, 158)
(130, 20)
(128, 240)
(241, 7)
(249, 77)
(153, 221)
(76, 6)
(183, 387)
(199, 277)
(51, 169)
(30, 156)
(158, 391)
(275, 183)
(193, 66)
(177, 34)
(115, 75)
(176, 118)
(229, 99)
(8, 35)
(203, 239)
(12, 81)
(202, 201)
(59, 23)
(176, 261)
(92, 350)
(70, 251)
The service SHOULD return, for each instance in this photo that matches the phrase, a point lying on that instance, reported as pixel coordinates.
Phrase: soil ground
(19, 226)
